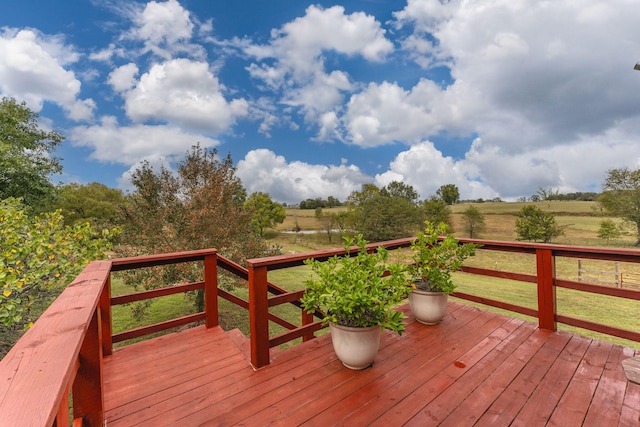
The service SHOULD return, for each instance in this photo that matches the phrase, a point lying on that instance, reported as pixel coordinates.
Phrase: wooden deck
(475, 368)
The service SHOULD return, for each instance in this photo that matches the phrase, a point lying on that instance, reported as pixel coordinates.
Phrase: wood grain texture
(37, 371)
(475, 368)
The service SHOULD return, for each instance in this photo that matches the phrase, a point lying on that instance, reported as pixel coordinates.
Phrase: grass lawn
(596, 308)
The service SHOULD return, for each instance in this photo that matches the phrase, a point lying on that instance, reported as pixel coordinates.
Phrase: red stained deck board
(574, 404)
(475, 368)
(424, 383)
(395, 357)
(606, 406)
(487, 380)
(217, 400)
(545, 382)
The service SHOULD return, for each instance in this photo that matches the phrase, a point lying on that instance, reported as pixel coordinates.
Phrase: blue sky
(313, 99)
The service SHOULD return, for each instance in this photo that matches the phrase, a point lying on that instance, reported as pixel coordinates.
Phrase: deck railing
(62, 354)
(545, 280)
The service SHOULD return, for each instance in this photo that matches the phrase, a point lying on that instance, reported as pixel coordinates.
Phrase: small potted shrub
(358, 299)
(433, 262)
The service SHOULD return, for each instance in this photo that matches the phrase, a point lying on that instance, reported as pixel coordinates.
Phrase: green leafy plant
(434, 259)
(39, 256)
(358, 290)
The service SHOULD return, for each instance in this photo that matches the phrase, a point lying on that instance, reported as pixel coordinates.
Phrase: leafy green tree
(265, 212)
(621, 196)
(449, 193)
(608, 230)
(39, 256)
(202, 206)
(535, 225)
(473, 221)
(333, 202)
(26, 156)
(385, 213)
(94, 203)
(435, 210)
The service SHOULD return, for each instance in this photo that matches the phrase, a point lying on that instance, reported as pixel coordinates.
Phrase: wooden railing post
(307, 318)
(258, 316)
(88, 396)
(105, 318)
(546, 272)
(211, 290)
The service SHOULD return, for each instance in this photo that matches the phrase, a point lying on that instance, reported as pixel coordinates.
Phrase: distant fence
(618, 277)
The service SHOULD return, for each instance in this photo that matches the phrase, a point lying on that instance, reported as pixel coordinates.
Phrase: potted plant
(357, 293)
(433, 261)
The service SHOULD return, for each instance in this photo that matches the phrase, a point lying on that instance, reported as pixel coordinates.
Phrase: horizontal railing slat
(498, 304)
(599, 289)
(158, 327)
(155, 293)
(285, 298)
(600, 328)
(294, 333)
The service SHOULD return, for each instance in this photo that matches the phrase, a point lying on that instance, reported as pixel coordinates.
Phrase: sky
(315, 99)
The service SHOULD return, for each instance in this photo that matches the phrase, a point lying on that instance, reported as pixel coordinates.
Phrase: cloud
(426, 169)
(127, 145)
(553, 107)
(293, 62)
(123, 78)
(554, 83)
(263, 170)
(166, 29)
(180, 92)
(33, 69)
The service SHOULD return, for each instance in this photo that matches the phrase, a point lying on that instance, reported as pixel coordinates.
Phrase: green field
(581, 221)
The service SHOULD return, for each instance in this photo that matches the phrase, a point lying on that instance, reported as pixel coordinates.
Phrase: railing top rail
(570, 251)
(292, 260)
(37, 370)
(129, 263)
(595, 252)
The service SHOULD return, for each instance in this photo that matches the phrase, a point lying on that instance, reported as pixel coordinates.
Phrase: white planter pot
(355, 347)
(428, 307)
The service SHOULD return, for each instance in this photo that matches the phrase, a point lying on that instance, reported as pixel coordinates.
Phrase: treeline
(330, 202)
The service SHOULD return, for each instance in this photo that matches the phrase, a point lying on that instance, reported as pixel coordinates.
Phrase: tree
(608, 230)
(328, 221)
(202, 206)
(449, 193)
(265, 212)
(94, 203)
(333, 202)
(385, 213)
(473, 221)
(548, 194)
(535, 225)
(621, 196)
(39, 256)
(435, 210)
(26, 156)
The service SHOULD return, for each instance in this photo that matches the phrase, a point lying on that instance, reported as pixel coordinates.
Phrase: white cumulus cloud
(292, 182)
(180, 92)
(34, 68)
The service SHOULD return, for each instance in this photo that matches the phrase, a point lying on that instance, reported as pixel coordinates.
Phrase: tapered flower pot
(355, 347)
(428, 307)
